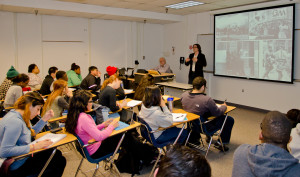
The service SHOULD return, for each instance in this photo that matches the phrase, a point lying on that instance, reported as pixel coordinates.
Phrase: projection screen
(255, 44)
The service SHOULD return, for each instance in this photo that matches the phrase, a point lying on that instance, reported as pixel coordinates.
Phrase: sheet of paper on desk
(218, 105)
(165, 97)
(133, 103)
(126, 91)
(179, 117)
(72, 89)
(121, 125)
(53, 137)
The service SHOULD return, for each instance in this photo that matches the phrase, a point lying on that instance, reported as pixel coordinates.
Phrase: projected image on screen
(255, 44)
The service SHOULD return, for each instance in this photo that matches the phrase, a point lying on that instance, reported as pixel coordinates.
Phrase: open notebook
(179, 117)
(53, 137)
(133, 103)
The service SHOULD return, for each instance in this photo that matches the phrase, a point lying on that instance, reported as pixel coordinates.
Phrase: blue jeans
(215, 125)
(171, 134)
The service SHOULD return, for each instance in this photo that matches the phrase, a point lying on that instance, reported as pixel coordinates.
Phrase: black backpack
(135, 154)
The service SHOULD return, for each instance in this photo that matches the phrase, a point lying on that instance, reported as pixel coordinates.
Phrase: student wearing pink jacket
(83, 125)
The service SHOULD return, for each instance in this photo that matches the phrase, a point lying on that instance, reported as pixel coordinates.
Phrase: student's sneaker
(207, 138)
(218, 145)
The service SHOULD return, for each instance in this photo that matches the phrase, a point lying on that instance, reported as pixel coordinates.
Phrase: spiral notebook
(53, 137)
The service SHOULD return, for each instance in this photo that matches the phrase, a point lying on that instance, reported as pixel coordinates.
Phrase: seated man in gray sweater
(271, 157)
(197, 102)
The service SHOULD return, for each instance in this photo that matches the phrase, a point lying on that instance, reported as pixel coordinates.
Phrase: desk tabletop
(189, 116)
(229, 109)
(161, 75)
(165, 97)
(68, 139)
(123, 130)
(176, 85)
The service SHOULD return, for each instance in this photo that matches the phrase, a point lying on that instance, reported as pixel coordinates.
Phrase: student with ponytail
(16, 135)
(56, 100)
(74, 75)
(108, 95)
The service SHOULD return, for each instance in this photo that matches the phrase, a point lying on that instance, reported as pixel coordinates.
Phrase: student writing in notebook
(16, 133)
(56, 100)
(155, 112)
(83, 125)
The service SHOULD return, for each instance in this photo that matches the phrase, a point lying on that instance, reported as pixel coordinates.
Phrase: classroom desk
(125, 107)
(68, 139)
(157, 78)
(174, 88)
(165, 97)
(229, 109)
(64, 117)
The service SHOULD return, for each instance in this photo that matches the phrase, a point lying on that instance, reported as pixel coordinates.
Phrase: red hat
(111, 70)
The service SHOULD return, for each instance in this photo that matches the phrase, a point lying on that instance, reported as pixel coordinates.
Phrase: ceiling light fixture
(184, 4)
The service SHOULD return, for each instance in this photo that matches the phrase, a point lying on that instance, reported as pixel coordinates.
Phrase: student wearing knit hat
(111, 70)
(11, 73)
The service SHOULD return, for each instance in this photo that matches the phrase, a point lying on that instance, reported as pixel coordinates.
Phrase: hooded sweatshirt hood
(265, 160)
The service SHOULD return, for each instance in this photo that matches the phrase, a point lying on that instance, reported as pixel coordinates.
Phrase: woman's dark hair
(183, 161)
(152, 96)
(31, 67)
(199, 47)
(146, 81)
(78, 104)
(52, 69)
(20, 78)
(74, 66)
(60, 74)
(294, 116)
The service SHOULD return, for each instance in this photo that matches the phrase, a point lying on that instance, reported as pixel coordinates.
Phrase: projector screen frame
(292, 45)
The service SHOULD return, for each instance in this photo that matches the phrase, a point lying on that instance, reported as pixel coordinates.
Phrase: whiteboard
(206, 42)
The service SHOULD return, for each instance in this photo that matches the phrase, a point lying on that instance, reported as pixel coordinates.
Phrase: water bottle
(170, 103)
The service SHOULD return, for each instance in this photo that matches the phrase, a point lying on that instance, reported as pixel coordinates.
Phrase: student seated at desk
(92, 81)
(10, 75)
(15, 91)
(60, 75)
(15, 136)
(197, 102)
(56, 100)
(74, 75)
(35, 81)
(111, 70)
(155, 112)
(108, 96)
(294, 117)
(49, 79)
(83, 125)
(146, 81)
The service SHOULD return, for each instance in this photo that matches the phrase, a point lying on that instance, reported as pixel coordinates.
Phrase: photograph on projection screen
(255, 44)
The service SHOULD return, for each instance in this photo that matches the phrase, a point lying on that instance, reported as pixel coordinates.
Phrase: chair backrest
(203, 128)
(146, 131)
(81, 148)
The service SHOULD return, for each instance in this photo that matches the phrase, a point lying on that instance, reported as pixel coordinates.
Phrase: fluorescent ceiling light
(184, 4)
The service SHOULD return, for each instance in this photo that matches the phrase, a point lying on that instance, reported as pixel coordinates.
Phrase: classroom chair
(107, 159)
(217, 132)
(147, 133)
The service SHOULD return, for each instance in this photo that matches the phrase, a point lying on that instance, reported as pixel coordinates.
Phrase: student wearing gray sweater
(15, 91)
(16, 133)
(155, 112)
(56, 100)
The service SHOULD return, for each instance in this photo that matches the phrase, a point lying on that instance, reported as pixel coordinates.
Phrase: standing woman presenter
(196, 61)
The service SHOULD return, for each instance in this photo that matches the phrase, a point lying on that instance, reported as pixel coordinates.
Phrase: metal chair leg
(79, 167)
(208, 146)
(160, 153)
(221, 143)
(97, 166)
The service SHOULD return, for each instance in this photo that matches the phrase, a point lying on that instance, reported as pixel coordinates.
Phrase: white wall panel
(29, 42)
(7, 43)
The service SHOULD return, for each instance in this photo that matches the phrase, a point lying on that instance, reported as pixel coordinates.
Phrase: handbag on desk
(4, 168)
